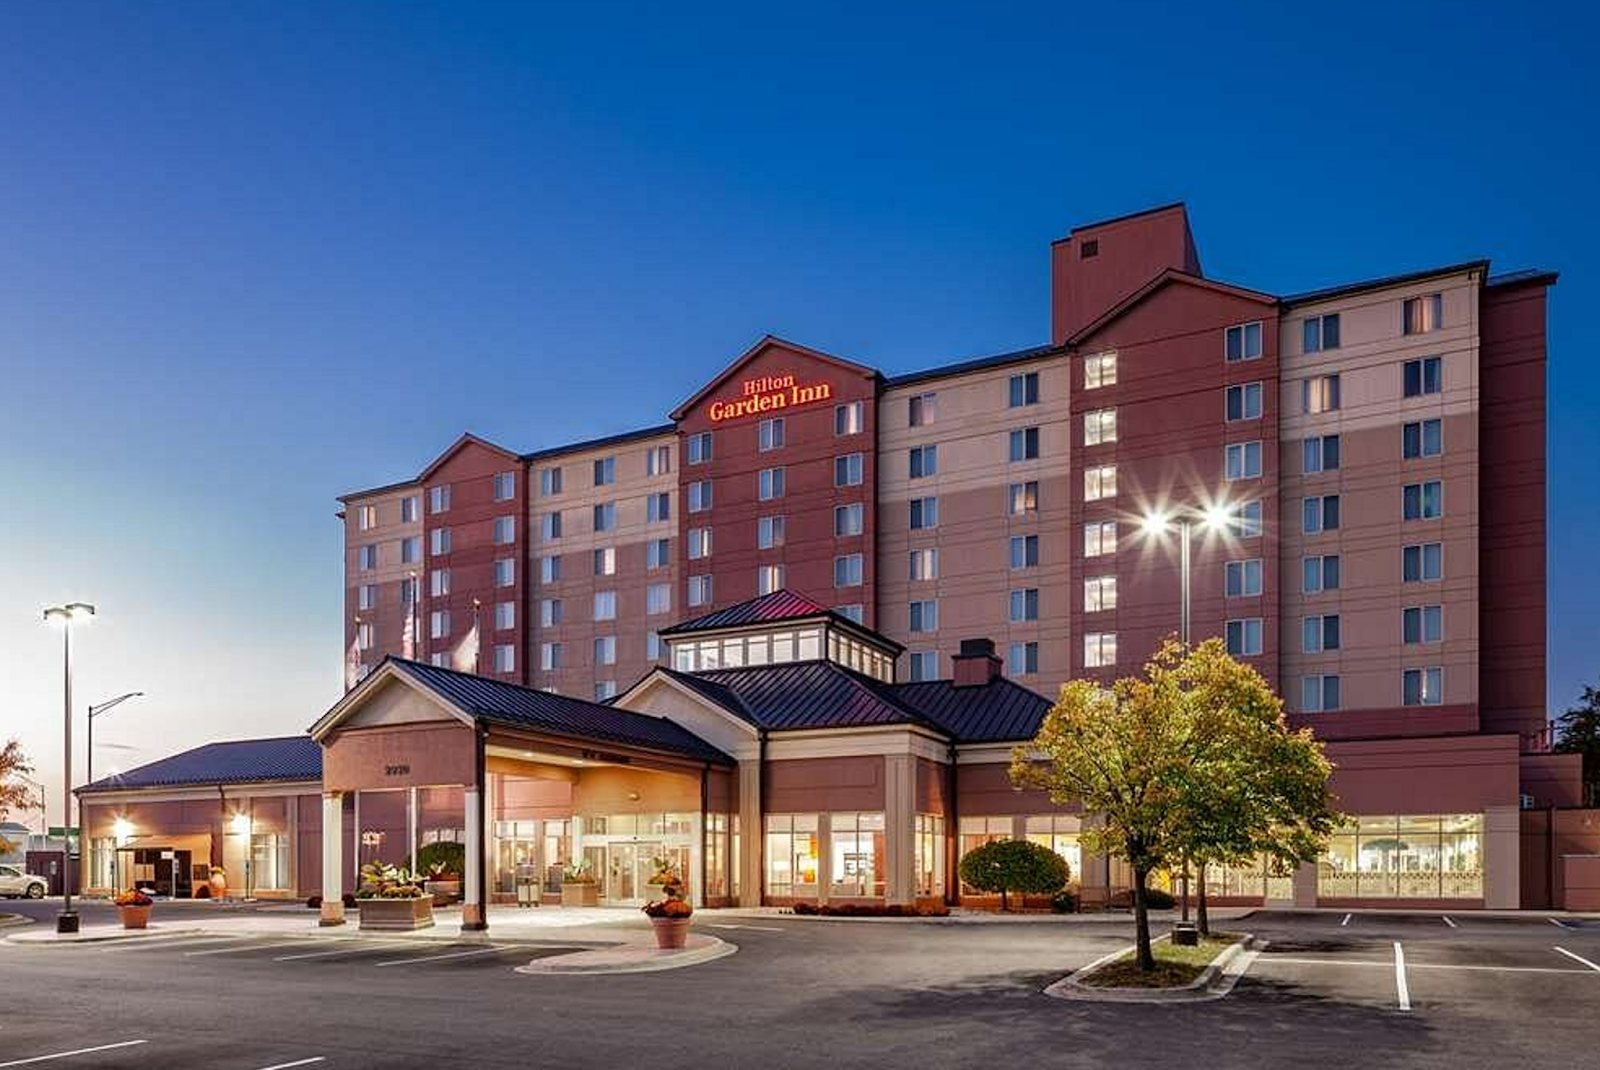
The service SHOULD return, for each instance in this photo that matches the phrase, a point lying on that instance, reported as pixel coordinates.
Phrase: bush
(201, 891)
(314, 902)
(1007, 866)
(348, 899)
(1065, 902)
(1154, 898)
(453, 856)
(872, 910)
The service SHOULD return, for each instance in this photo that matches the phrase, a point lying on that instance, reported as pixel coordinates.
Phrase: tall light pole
(63, 617)
(96, 711)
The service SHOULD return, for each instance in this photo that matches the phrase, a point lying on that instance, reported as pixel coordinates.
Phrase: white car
(15, 881)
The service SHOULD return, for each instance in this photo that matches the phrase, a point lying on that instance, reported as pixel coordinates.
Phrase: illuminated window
(1431, 856)
(1419, 315)
(1059, 833)
(1099, 649)
(1100, 482)
(1099, 593)
(1100, 538)
(975, 832)
(769, 532)
(769, 578)
(1319, 394)
(791, 855)
(1022, 498)
(367, 517)
(1099, 370)
(848, 419)
(928, 855)
(605, 561)
(857, 855)
(922, 410)
(1099, 426)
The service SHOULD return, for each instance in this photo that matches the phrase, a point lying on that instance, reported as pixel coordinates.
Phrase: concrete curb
(631, 958)
(157, 933)
(1214, 982)
(978, 918)
(12, 921)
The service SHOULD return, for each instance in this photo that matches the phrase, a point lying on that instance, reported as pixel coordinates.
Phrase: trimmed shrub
(201, 891)
(1007, 866)
(1065, 902)
(1154, 898)
(348, 899)
(314, 902)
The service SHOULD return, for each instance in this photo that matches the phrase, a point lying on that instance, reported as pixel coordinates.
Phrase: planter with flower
(134, 906)
(218, 882)
(390, 898)
(578, 886)
(665, 881)
(443, 863)
(670, 919)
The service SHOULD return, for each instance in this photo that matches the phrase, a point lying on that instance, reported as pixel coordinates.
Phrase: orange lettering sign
(768, 393)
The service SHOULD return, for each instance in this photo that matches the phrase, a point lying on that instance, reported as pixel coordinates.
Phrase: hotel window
(439, 624)
(791, 855)
(549, 656)
(505, 572)
(1100, 538)
(658, 460)
(1100, 482)
(1242, 579)
(1245, 636)
(1243, 342)
(699, 543)
(652, 646)
(847, 519)
(550, 527)
(770, 484)
(1433, 856)
(366, 596)
(367, 557)
(1247, 520)
(658, 508)
(1320, 513)
(1099, 593)
(1025, 444)
(1318, 634)
(922, 410)
(1099, 370)
(847, 470)
(605, 605)
(505, 615)
(1419, 315)
(439, 660)
(928, 855)
(1024, 604)
(1319, 573)
(658, 598)
(1422, 438)
(1422, 563)
(549, 482)
(975, 832)
(1022, 498)
(924, 564)
(857, 854)
(1422, 687)
(700, 496)
(1243, 460)
(769, 532)
(1243, 402)
(769, 578)
(367, 517)
(1099, 649)
(605, 516)
(1425, 376)
(269, 861)
(505, 657)
(924, 461)
(847, 570)
(364, 636)
(658, 553)
(1321, 332)
(439, 498)
(924, 665)
(605, 689)
(1099, 426)
(1422, 624)
(1024, 551)
(605, 561)
(1024, 389)
(605, 650)
(1024, 660)
(699, 590)
(550, 613)
(505, 486)
(408, 590)
(1423, 501)
(700, 447)
(439, 582)
(924, 616)
(439, 541)
(769, 434)
(408, 509)
(855, 611)
(1319, 694)
(1321, 454)
(848, 419)
(505, 530)
(549, 570)
(924, 513)
(1319, 394)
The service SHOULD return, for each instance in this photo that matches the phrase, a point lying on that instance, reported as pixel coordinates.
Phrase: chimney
(977, 664)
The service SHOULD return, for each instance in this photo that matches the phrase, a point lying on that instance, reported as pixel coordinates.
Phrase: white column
(472, 912)
(697, 860)
(900, 808)
(751, 838)
(332, 850)
(411, 827)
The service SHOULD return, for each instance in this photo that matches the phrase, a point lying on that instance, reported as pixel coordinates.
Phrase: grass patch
(1175, 966)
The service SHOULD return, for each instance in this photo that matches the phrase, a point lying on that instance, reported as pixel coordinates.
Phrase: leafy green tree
(1578, 732)
(1006, 866)
(13, 795)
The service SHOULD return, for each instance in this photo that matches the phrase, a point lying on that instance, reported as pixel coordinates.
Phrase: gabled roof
(999, 711)
(240, 761)
(1167, 277)
(467, 438)
(778, 607)
(800, 695)
(768, 340)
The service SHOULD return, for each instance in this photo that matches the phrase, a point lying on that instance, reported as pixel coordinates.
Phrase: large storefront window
(1059, 832)
(1417, 857)
(929, 855)
(1255, 879)
(516, 846)
(631, 852)
(857, 854)
(792, 855)
(557, 853)
(977, 831)
(269, 862)
(716, 855)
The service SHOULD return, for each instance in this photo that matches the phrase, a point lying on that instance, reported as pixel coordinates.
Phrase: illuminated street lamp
(64, 617)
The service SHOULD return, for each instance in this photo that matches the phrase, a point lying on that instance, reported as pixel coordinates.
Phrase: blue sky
(257, 254)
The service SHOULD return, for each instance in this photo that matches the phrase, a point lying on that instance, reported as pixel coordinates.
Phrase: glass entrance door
(623, 865)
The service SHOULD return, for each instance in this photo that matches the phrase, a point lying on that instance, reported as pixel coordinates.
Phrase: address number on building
(397, 770)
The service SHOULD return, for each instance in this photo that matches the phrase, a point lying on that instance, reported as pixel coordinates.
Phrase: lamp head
(1217, 517)
(1153, 523)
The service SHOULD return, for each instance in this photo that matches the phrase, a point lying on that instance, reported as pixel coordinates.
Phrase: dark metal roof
(999, 711)
(242, 761)
(801, 694)
(1525, 277)
(597, 443)
(767, 609)
(1382, 283)
(542, 711)
(999, 360)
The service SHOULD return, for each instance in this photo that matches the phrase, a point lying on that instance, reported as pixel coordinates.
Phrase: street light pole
(96, 711)
(67, 921)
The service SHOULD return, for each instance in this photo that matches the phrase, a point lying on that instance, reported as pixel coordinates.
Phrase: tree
(1014, 866)
(1578, 732)
(13, 796)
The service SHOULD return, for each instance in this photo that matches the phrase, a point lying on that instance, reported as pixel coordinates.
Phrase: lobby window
(699, 542)
(505, 572)
(1242, 342)
(1024, 390)
(367, 557)
(505, 486)
(769, 484)
(769, 434)
(549, 482)
(924, 564)
(1424, 376)
(365, 636)
(1319, 634)
(410, 506)
(924, 616)
(1243, 402)
(924, 665)
(769, 532)
(1059, 833)
(605, 516)
(1242, 460)
(923, 461)
(1319, 694)
(1319, 573)
(605, 689)
(1099, 370)
(847, 570)
(1422, 563)
(366, 517)
(605, 605)
(857, 855)
(975, 832)
(849, 418)
(505, 615)
(700, 496)
(439, 541)
(269, 861)
(924, 513)
(1422, 438)
(1099, 426)
(1100, 538)
(1423, 501)
(1320, 513)
(922, 410)
(550, 527)
(1320, 332)
(699, 447)
(1434, 856)
(549, 570)
(1022, 499)
(1024, 602)
(366, 596)
(439, 498)
(1242, 579)
(1247, 520)
(605, 650)
(1100, 482)
(605, 561)
(658, 508)
(699, 590)
(769, 578)
(1419, 315)
(847, 470)
(1422, 624)
(1319, 394)
(854, 611)
(1320, 454)
(658, 460)
(1024, 551)
(550, 614)
(1024, 660)
(1099, 593)
(928, 855)
(658, 598)
(1024, 445)
(549, 656)
(1422, 687)
(1245, 636)
(505, 658)
(847, 519)
(1099, 649)
(439, 624)
(505, 530)
(438, 582)
(791, 855)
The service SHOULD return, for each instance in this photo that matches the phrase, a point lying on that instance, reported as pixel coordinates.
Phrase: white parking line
(1345, 922)
(757, 928)
(75, 1051)
(300, 1062)
(172, 941)
(1448, 922)
(1401, 990)
(1579, 958)
(356, 950)
(441, 958)
(1558, 923)
(1381, 964)
(247, 947)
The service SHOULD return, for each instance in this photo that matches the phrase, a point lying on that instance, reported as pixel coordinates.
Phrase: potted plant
(669, 917)
(578, 886)
(664, 882)
(134, 906)
(443, 862)
(219, 882)
(389, 898)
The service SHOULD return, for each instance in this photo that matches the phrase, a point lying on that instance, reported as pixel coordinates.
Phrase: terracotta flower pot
(671, 932)
(219, 885)
(134, 917)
